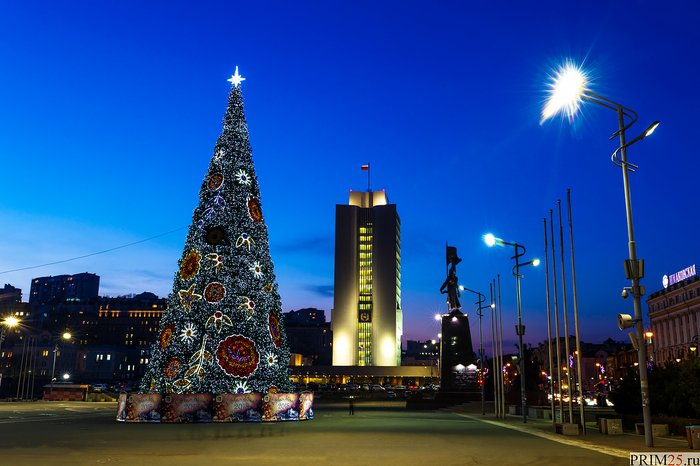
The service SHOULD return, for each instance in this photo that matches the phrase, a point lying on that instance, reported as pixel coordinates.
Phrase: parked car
(99, 387)
(391, 394)
(407, 394)
(122, 386)
(365, 387)
(377, 388)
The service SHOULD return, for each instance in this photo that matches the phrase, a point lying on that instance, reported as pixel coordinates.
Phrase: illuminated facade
(367, 320)
(674, 314)
(60, 287)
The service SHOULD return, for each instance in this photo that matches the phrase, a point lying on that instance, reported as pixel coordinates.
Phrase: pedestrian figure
(352, 407)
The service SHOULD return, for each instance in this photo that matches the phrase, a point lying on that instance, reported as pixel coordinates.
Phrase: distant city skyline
(110, 117)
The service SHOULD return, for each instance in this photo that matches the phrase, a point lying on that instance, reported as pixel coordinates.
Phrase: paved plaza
(380, 433)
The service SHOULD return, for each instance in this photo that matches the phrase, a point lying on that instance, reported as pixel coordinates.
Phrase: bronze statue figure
(452, 289)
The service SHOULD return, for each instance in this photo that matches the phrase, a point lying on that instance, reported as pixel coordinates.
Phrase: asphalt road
(380, 433)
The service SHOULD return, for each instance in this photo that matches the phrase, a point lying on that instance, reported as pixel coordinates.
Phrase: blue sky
(109, 113)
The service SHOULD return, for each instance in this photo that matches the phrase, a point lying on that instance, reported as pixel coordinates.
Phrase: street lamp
(694, 344)
(9, 323)
(567, 89)
(520, 328)
(482, 298)
(65, 336)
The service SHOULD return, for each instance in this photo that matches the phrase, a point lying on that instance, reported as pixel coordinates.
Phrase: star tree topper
(236, 79)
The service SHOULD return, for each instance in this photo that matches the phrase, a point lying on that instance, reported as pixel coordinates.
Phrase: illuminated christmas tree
(223, 331)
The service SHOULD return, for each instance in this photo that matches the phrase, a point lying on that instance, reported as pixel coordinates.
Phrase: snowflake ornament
(257, 269)
(243, 178)
(271, 359)
(188, 333)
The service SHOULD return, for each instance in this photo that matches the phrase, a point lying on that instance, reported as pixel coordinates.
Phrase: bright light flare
(565, 90)
(536, 262)
(489, 239)
(66, 336)
(11, 322)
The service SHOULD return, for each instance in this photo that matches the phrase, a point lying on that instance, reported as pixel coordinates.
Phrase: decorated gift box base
(225, 407)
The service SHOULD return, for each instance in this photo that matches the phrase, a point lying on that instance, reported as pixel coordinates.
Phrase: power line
(93, 254)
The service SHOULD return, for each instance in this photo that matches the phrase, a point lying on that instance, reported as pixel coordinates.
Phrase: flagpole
(368, 189)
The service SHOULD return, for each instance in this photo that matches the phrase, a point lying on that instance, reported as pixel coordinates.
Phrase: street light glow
(536, 262)
(66, 336)
(489, 239)
(651, 128)
(11, 322)
(66, 376)
(565, 90)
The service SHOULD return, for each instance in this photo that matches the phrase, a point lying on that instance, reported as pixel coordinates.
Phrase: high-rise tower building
(366, 319)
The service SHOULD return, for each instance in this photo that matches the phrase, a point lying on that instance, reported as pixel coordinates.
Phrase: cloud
(323, 290)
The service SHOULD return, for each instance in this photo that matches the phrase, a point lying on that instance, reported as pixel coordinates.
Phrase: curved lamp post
(520, 328)
(482, 298)
(568, 88)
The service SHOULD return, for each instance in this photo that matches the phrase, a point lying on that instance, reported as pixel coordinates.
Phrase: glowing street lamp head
(11, 321)
(438, 317)
(536, 262)
(66, 336)
(651, 128)
(489, 239)
(565, 90)
(66, 376)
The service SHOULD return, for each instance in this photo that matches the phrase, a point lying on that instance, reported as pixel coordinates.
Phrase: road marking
(44, 418)
(555, 438)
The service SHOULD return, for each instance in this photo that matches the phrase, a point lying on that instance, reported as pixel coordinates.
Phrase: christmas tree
(223, 331)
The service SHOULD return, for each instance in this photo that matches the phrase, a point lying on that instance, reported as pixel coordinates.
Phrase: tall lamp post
(568, 88)
(520, 328)
(66, 336)
(482, 298)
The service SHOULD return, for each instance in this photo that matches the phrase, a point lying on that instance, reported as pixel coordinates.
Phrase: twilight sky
(109, 112)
